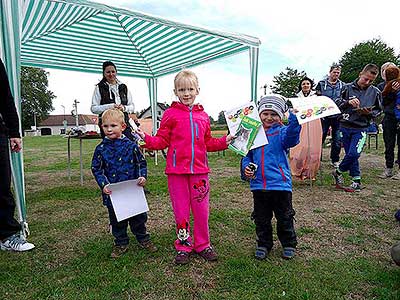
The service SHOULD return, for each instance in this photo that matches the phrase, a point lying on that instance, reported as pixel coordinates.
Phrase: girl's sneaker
(182, 258)
(209, 254)
(261, 253)
(288, 252)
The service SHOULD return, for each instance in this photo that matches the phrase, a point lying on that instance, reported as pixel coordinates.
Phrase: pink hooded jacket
(187, 134)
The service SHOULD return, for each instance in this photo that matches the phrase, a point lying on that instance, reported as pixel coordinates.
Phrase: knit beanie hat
(276, 103)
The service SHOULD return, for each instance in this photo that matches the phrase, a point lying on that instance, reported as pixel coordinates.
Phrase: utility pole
(76, 112)
(265, 86)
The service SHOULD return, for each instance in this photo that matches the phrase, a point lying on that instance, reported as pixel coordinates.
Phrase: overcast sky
(305, 35)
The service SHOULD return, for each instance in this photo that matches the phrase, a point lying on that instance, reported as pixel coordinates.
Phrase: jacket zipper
(262, 168)
(174, 158)
(192, 132)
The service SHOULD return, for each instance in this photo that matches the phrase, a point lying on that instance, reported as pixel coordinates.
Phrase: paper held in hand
(234, 118)
(245, 135)
(127, 199)
(313, 108)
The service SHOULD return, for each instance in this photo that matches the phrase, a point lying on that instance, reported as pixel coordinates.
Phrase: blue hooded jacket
(273, 171)
(115, 161)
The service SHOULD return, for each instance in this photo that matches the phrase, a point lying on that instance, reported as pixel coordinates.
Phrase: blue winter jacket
(115, 161)
(273, 171)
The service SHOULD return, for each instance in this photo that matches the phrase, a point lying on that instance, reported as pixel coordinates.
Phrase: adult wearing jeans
(10, 229)
(390, 131)
(331, 87)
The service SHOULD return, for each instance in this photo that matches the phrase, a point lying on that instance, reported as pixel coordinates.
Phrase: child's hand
(141, 181)
(106, 190)
(248, 172)
(140, 132)
(229, 139)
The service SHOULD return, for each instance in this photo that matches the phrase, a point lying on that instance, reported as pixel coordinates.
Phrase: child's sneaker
(118, 251)
(149, 246)
(353, 187)
(16, 243)
(182, 258)
(288, 252)
(338, 178)
(209, 254)
(261, 253)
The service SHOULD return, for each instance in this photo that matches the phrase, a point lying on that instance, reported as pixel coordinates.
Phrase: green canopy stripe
(79, 35)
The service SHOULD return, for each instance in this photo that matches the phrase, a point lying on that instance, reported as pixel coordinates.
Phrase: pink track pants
(190, 192)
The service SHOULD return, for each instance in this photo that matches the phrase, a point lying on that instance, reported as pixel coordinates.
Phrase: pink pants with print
(190, 192)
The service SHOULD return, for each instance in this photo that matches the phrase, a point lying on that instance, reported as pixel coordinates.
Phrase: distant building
(146, 114)
(58, 124)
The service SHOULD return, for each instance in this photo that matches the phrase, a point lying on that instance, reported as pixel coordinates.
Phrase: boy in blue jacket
(118, 159)
(270, 178)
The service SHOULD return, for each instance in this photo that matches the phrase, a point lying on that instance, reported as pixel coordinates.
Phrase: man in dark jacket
(360, 101)
(10, 229)
(390, 130)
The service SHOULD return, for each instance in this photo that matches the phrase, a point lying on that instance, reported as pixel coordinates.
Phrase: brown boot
(209, 254)
(118, 251)
(149, 246)
(182, 258)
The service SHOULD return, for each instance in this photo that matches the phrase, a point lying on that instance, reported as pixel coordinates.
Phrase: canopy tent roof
(79, 35)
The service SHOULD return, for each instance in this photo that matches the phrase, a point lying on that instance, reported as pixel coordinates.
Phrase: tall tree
(221, 118)
(287, 82)
(373, 51)
(36, 98)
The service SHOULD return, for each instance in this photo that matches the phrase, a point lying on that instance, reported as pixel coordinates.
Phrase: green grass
(343, 252)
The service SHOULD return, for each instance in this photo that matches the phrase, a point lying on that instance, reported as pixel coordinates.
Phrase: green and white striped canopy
(79, 35)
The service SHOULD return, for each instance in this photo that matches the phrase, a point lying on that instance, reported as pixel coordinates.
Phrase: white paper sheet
(234, 117)
(127, 199)
(313, 108)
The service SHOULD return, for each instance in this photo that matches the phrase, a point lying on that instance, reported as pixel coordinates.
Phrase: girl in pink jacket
(185, 130)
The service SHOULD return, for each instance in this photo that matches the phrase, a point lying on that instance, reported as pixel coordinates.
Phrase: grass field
(343, 251)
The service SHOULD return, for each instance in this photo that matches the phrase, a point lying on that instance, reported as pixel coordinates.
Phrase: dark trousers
(390, 134)
(119, 229)
(8, 224)
(267, 203)
(335, 132)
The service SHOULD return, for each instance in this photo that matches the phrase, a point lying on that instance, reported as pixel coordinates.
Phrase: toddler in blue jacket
(270, 178)
(118, 159)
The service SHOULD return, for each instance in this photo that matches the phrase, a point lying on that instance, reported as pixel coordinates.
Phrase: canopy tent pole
(10, 52)
(152, 85)
(253, 52)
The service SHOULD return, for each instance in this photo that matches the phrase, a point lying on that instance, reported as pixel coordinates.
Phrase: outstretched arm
(291, 133)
